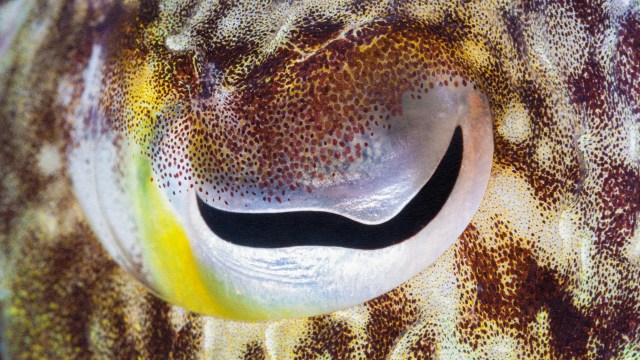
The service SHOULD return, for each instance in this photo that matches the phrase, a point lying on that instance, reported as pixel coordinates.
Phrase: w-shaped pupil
(307, 228)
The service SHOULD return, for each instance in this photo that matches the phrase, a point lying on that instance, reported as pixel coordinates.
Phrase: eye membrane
(316, 228)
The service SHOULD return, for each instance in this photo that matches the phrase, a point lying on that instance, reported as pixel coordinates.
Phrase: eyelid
(326, 228)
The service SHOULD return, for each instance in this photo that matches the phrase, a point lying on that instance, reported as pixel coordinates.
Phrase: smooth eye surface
(281, 194)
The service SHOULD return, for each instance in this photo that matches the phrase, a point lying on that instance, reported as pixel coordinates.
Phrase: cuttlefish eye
(283, 184)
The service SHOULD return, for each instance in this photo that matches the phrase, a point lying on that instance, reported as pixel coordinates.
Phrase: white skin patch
(516, 123)
(47, 222)
(49, 160)
(178, 317)
(509, 193)
(633, 247)
(634, 143)
(179, 42)
(281, 337)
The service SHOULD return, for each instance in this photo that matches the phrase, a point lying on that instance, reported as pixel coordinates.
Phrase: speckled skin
(549, 267)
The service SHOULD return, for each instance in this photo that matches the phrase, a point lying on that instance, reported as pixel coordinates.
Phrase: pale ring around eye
(160, 236)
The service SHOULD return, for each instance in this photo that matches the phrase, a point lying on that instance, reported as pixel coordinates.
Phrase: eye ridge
(317, 228)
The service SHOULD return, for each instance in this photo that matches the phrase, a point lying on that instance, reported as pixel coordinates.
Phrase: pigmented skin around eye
(277, 141)
(547, 268)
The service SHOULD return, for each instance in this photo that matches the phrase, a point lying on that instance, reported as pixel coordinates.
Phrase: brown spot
(627, 60)
(186, 343)
(426, 345)
(511, 289)
(254, 351)
(326, 335)
(588, 88)
(390, 315)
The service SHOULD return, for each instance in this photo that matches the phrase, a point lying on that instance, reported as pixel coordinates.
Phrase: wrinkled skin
(549, 267)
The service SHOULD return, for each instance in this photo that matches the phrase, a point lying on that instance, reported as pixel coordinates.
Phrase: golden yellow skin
(549, 267)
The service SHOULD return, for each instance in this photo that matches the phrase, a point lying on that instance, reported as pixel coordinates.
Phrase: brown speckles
(187, 341)
(254, 351)
(627, 65)
(511, 289)
(389, 316)
(621, 206)
(588, 88)
(326, 336)
(292, 120)
(425, 346)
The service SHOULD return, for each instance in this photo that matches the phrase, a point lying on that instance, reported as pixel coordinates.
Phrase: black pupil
(307, 228)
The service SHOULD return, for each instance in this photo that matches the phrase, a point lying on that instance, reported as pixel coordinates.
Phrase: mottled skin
(549, 267)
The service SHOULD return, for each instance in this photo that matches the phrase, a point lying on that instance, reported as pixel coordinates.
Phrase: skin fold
(548, 267)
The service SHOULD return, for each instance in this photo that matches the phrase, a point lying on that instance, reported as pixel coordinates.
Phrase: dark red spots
(425, 346)
(510, 288)
(589, 87)
(620, 206)
(627, 61)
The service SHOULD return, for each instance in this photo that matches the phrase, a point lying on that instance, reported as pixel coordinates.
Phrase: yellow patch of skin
(144, 99)
(166, 249)
(476, 53)
(172, 265)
